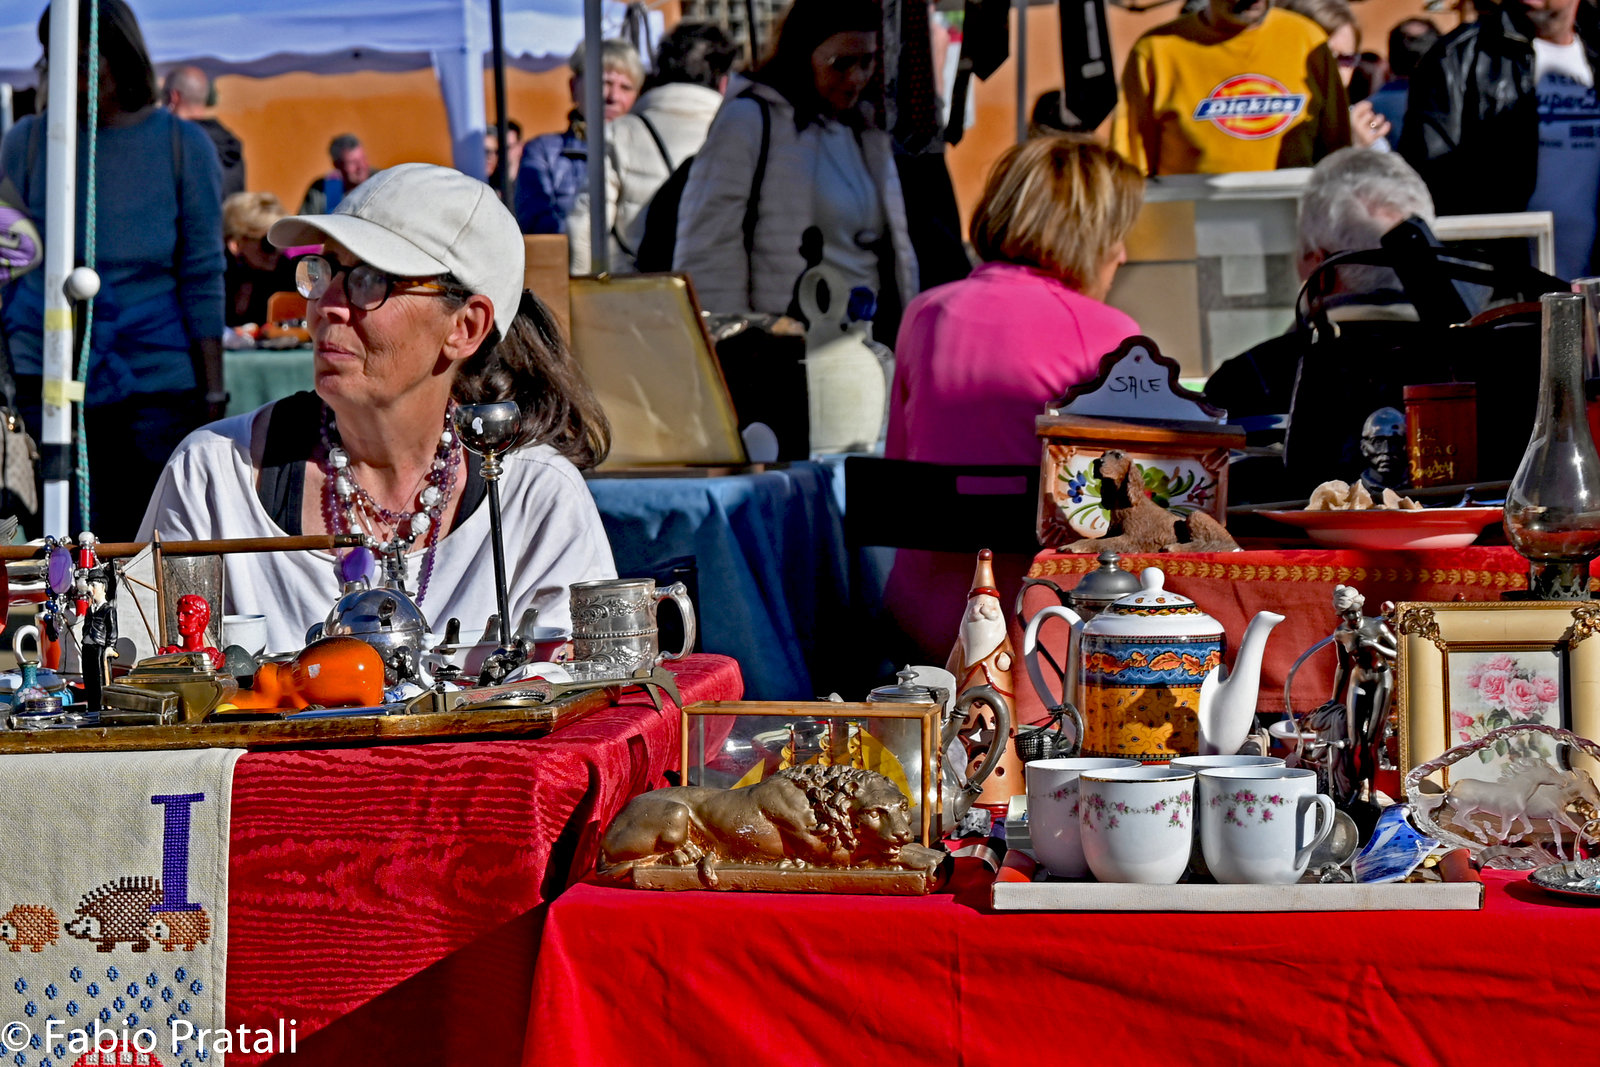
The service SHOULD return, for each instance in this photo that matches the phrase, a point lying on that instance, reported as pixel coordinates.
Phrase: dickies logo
(1251, 107)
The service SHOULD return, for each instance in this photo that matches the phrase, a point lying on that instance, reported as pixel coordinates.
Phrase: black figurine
(99, 631)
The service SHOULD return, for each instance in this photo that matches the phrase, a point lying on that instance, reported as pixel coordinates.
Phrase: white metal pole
(60, 253)
(594, 114)
(6, 119)
(1023, 110)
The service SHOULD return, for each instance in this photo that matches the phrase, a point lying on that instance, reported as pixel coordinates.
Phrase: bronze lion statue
(810, 816)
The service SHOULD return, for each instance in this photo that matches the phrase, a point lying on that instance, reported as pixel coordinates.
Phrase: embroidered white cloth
(114, 908)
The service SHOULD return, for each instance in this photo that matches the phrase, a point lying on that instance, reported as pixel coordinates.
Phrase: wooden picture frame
(643, 346)
(1464, 668)
(720, 750)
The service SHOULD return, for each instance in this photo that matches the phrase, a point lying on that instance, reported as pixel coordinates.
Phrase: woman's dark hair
(696, 53)
(122, 45)
(1408, 43)
(807, 23)
(534, 367)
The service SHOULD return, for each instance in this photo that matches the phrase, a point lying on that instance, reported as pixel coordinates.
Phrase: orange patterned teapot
(1147, 675)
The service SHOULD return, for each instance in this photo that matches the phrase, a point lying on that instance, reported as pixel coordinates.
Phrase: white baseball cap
(418, 220)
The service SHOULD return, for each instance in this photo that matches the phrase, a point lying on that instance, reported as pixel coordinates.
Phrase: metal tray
(1302, 896)
(1575, 878)
(505, 719)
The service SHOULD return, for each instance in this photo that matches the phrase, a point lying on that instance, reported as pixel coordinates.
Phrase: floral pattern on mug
(1070, 790)
(1255, 806)
(1173, 808)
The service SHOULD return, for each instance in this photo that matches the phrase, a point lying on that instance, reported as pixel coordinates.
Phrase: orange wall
(287, 121)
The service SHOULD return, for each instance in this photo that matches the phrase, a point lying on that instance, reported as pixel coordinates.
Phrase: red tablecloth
(389, 898)
(628, 976)
(1299, 583)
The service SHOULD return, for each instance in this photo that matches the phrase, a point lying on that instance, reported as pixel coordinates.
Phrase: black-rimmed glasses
(365, 286)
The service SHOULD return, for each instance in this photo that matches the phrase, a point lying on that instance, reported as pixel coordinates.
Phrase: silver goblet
(491, 430)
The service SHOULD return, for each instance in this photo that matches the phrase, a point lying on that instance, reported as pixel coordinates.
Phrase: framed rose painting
(1468, 668)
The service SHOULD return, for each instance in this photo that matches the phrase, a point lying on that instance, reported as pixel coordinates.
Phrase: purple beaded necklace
(348, 508)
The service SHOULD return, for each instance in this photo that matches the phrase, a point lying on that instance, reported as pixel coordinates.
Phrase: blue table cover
(770, 551)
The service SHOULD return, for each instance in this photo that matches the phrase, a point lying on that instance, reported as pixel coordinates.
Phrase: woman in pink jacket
(977, 359)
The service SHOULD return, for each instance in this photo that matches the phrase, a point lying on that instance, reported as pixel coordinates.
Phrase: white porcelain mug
(1053, 810)
(1136, 822)
(1260, 824)
(1197, 862)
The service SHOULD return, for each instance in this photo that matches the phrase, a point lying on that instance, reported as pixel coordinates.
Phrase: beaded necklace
(349, 508)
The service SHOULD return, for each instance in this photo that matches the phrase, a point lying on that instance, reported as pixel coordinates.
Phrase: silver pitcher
(614, 624)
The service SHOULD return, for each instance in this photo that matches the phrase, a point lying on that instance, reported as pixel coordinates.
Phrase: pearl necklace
(345, 504)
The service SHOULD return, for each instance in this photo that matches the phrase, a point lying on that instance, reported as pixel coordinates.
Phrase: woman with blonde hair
(977, 359)
(256, 269)
(1368, 129)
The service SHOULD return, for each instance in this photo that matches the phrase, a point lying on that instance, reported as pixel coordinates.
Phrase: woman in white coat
(800, 142)
(666, 126)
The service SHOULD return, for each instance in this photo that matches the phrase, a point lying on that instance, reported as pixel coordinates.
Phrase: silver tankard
(614, 625)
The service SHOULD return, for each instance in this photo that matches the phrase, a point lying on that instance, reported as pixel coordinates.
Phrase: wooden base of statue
(765, 878)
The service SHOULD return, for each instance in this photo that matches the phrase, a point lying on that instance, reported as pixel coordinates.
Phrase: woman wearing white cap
(415, 304)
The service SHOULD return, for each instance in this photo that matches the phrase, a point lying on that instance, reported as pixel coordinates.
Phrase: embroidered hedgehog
(186, 928)
(33, 925)
(118, 911)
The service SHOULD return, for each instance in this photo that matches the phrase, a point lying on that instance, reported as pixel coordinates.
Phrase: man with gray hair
(186, 92)
(350, 169)
(1353, 199)
(1355, 196)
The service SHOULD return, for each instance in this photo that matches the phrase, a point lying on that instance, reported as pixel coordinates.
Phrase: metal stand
(491, 430)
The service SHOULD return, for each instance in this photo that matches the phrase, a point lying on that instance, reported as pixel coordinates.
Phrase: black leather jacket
(1472, 121)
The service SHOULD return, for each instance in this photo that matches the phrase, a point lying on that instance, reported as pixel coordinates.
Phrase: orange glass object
(335, 672)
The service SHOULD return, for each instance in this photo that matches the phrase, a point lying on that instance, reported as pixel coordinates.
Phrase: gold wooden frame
(930, 714)
(643, 345)
(1427, 632)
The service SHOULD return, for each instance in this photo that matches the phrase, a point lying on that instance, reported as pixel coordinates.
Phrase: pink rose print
(1493, 685)
(1503, 662)
(1522, 697)
(1548, 691)
(1460, 719)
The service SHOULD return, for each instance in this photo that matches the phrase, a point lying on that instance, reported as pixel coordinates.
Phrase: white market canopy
(266, 37)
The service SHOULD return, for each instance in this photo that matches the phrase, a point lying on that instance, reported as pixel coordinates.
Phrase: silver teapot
(952, 790)
(389, 621)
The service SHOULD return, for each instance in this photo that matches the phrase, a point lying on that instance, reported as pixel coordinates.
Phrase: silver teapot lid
(907, 690)
(1105, 584)
(375, 611)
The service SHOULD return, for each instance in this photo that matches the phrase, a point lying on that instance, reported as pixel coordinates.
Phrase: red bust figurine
(194, 615)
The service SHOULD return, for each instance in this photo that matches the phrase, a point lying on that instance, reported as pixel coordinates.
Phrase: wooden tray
(1303, 896)
(499, 722)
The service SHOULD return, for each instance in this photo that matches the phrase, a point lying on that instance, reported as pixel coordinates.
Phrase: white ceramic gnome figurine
(983, 656)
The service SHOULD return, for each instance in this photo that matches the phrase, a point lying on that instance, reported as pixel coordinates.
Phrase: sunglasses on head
(1347, 59)
(365, 286)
